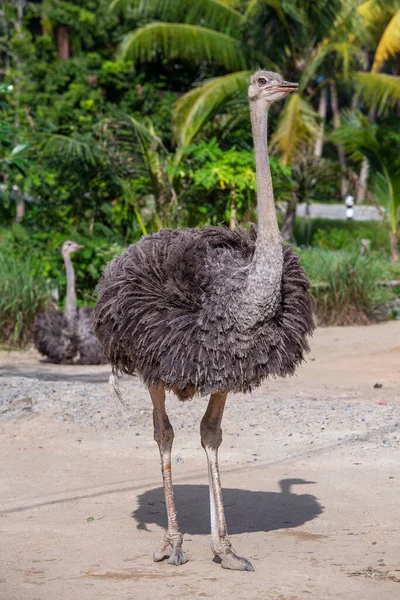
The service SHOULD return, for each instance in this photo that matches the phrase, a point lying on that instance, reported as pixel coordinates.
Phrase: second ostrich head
(69, 247)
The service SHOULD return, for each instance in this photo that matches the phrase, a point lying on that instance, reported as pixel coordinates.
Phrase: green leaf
(389, 44)
(18, 149)
(379, 88)
(297, 127)
(357, 138)
(210, 13)
(344, 50)
(183, 41)
(196, 107)
(70, 149)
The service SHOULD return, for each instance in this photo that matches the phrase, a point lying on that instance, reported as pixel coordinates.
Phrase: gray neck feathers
(261, 294)
(70, 306)
(268, 231)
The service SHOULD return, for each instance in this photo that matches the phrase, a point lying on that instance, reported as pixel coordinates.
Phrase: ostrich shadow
(246, 511)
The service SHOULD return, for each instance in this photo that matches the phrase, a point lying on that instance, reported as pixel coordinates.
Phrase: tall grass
(23, 293)
(345, 284)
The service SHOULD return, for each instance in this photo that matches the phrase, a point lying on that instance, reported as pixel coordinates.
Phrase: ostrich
(61, 336)
(208, 311)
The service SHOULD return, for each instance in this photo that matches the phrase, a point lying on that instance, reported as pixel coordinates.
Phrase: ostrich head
(69, 247)
(269, 87)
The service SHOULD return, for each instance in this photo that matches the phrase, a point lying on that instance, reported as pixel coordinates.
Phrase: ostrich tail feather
(115, 389)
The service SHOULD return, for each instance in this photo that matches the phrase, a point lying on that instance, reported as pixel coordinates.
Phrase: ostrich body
(63, 336)
(208, 311)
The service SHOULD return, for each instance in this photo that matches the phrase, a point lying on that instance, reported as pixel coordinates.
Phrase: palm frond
(379, 88)
(69, 148)
(196, 107)
(208, 13)
(276, 5)
(386, 189)
(130, 130)
(189, 42)
(138, 139)
(279, 8)
(389, 44)
(345, 51)
(297, 126)
(373, 10)
(357, 137)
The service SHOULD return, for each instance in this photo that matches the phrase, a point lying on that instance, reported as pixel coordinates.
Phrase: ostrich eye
(261, 81)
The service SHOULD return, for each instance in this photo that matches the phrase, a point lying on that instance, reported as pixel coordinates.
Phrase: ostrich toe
(163, 552)
(178, 557)
(236, 563)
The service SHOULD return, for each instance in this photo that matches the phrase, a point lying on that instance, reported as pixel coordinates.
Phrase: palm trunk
(322, 108)
(340, 149)
(364, 171)
(362, 182)
(287, 229)
(232, 215)
(394, 251)
(20, 208)
(63, 43)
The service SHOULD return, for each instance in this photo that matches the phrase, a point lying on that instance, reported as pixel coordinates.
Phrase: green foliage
(211, 13)
(225, 179)
(104, 149)
(23, 293)
(41, 254)
(175, 40)
(359, 138)
(332, 234)
(197, 107)
(345, 284)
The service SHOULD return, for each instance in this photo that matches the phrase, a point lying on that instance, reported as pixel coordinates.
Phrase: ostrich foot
(163, 552)
(178, 557)
(175, 555)
(230, 560)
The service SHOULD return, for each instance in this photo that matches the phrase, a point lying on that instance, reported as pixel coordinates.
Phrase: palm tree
(359, 138)
(214, 31)
(381, 19)
(293, 37)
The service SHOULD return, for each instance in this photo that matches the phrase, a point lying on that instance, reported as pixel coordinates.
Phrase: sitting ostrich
(208, 311)
(65, 336)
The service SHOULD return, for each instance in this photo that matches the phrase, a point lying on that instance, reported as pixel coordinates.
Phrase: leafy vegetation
(122, 117)
(23, 293)
(345, 284)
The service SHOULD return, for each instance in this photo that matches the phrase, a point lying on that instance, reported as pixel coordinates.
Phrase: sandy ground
(310, 468)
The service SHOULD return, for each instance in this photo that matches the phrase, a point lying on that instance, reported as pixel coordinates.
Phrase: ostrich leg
(171, 546)
(211, 438)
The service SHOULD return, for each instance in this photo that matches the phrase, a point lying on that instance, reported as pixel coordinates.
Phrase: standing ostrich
(208, 311)
(62, 336)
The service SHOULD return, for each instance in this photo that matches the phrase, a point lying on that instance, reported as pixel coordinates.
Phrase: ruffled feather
(153, 318)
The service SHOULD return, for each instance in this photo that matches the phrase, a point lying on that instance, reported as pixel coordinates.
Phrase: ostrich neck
(268, 231)
(70, 305)
(261, 293)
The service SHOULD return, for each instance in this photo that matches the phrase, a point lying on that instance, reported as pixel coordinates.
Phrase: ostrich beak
(288, 86)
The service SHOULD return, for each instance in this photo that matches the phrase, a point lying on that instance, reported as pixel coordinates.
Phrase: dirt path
(310, 468)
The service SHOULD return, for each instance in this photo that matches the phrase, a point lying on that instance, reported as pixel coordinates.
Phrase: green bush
(332, 234)
(23, 293)
(32, 265)
(345, 284)
(44, 248)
